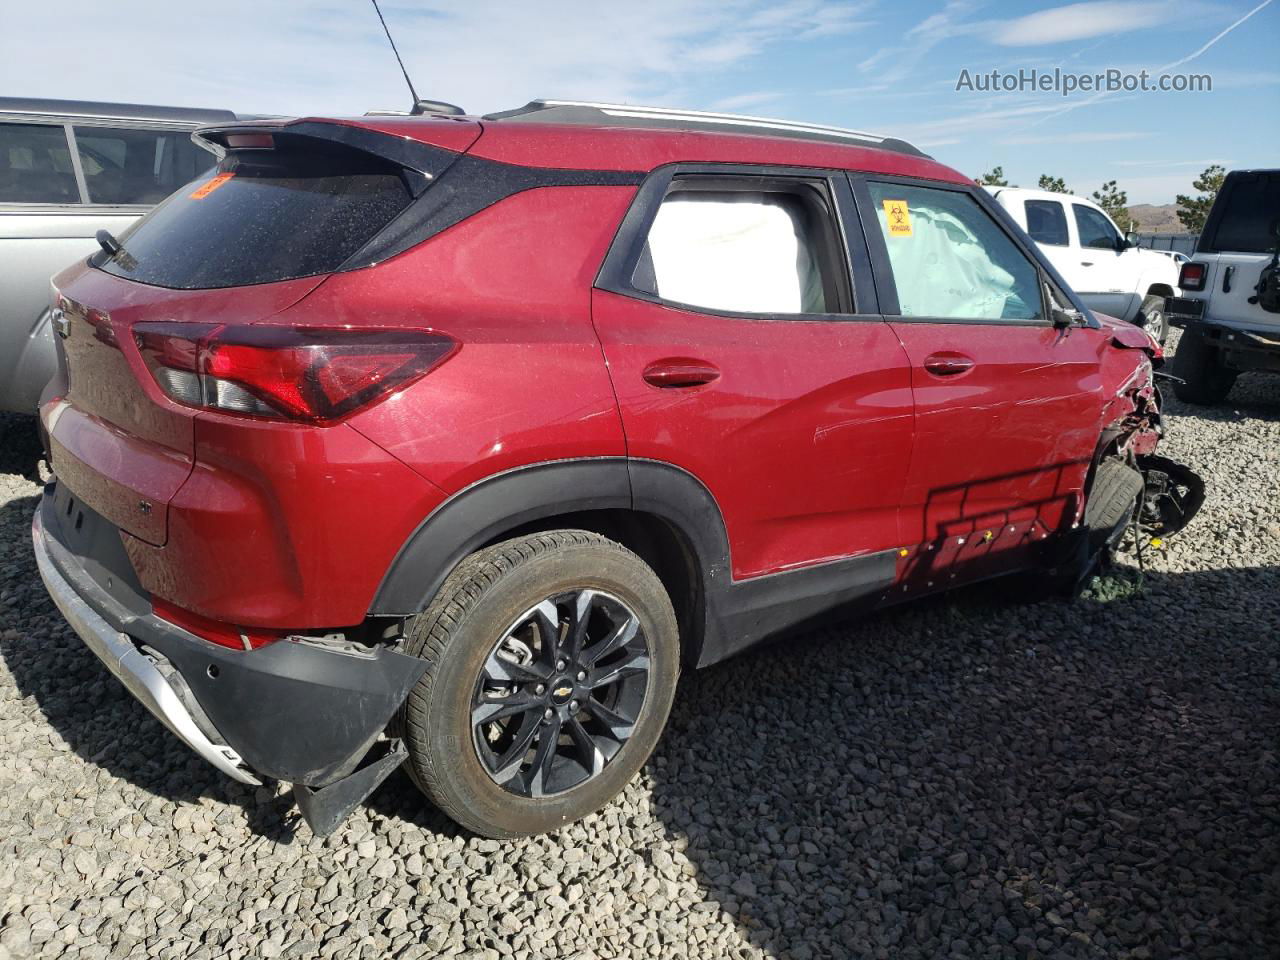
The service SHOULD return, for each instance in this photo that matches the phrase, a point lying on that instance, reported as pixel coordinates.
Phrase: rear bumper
(291, 710)
(1241, 348)
(139, 671)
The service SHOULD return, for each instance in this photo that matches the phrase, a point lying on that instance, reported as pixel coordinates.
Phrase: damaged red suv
(451, 441)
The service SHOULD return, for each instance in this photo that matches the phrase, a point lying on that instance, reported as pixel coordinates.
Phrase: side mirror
(1130, 239)
(1064, 318)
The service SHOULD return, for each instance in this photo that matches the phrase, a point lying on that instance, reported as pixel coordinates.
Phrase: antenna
(412, 92)
(419, 106)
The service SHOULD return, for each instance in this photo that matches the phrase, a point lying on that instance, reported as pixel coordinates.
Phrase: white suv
(1231, 307)
(1104, 267)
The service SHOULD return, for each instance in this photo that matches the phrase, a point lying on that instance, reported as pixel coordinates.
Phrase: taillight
(215, 631)
(1191, 276)
(309, 374)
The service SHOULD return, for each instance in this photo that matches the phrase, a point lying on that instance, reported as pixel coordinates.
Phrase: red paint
(121, 441)
(283, 525)
(803, 440)
(529, 381)
(818, 439)
(1007, 441)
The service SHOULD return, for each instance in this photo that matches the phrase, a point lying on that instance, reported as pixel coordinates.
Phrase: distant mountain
(1157, 219)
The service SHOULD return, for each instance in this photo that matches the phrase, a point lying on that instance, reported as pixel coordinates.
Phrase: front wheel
(1152, 318)
(553, 661)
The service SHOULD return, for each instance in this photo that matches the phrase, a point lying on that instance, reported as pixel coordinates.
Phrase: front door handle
(1086, 263)
(680, 372)
(948, 364)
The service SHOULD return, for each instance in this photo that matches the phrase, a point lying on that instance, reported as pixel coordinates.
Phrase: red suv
(453, 440)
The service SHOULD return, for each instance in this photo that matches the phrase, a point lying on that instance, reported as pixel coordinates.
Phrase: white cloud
(742, 101)
(317, 56)
(1084, 136)
(1078, 21)
(897, 61)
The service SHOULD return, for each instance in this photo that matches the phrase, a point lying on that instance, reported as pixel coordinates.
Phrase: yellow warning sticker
(898, 217)
(201, 192)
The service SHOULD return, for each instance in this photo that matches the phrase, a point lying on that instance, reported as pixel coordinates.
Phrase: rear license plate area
(1181, 310)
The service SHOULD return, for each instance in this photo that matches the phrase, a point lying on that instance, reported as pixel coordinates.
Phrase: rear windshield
(1250, 208)
(262, 216)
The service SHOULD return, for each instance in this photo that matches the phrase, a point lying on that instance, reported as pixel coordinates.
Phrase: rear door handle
(948, 364)
(1086, 263)
(680, 372)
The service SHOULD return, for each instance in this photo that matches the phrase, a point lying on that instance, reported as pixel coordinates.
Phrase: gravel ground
(969, 778)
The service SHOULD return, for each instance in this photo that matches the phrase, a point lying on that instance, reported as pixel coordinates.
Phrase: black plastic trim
(293, 710)
(470, 185)
(734, 613)
(411, 154)
(479, 513)
(324, 808)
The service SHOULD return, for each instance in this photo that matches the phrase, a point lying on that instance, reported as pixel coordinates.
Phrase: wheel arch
(1159, 290)
(659, 511)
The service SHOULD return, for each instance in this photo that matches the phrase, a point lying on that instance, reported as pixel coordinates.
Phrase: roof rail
(588, 113)
(91, 109)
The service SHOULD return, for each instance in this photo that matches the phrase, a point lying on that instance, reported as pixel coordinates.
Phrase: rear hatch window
(299, 207)
(1242, 217)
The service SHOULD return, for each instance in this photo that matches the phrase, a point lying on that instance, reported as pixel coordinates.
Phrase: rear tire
(1196, 363)
(496, 602)
(1151, 318)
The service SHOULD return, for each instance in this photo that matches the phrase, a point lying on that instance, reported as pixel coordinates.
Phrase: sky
(885, 66)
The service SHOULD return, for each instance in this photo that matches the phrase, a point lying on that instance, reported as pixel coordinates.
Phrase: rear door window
(950, 259)
(35, 164)
(263, 216)
(129, 166)
(1046, 222)
(1094, 228)
(744, 245)
(1249, 210)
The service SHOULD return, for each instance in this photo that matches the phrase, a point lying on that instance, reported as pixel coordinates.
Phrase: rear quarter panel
(512, 285)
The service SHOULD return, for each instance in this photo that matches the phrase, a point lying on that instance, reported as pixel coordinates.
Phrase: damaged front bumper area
(292, 710)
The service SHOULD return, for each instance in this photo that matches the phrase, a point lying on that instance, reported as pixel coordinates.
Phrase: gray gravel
(970, 778)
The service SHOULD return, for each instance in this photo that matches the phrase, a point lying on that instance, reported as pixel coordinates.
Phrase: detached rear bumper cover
(290, 710)
(140, 675)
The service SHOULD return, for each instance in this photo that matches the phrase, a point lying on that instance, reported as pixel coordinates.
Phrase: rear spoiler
(422, 158)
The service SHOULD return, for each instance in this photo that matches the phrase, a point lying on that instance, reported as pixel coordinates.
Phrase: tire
(1196, 364)
(491, 603)
(1151, 318)
(1113, 496)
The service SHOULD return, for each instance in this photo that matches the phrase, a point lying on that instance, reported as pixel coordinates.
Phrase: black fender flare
(729, 616)
(485, 510)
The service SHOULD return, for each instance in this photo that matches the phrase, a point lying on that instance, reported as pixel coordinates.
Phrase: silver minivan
(69, 168)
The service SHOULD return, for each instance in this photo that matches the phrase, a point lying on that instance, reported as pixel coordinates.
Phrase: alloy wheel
(560, 693)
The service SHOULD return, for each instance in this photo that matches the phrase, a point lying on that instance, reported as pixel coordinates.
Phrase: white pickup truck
(1103, 266)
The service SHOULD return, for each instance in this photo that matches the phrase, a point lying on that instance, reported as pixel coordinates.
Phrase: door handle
(948, 364)
(680, 372)
(1086, 263)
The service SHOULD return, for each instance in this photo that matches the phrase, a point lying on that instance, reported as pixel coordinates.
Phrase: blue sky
(887, 66)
